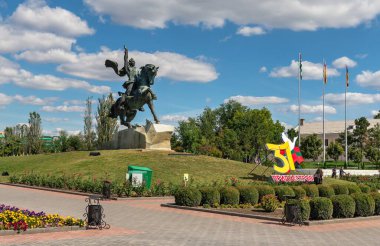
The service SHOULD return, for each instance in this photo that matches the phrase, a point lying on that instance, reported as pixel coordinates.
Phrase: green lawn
(331, 164)
(170, 168)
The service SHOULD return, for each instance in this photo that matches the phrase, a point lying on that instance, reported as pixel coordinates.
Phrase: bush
(376, 198)
(282, 191)
(248, 194)
(321, 208)
(304, 205)
(299, 192)
(229, 195)
(364, 188)
(210, 196)
(340, 189)
(265, 190)
(325, 191)
(187, 196)
(311, 190)
(353, 188)
(269, 203)
(343, 206)
(5, 173)
(364, 204)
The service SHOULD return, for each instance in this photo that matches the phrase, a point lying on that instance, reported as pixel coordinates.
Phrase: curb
(86, 194)
(337, 221)
(42, 230)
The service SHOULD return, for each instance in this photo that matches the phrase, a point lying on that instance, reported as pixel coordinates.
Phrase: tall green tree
(334, 150)
(373, 148)
(89, 134)
(311, 147)
(34, 133)
(106, 126)
(361, 135)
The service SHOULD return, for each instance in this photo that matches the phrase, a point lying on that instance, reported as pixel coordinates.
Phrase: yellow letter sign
(288, 163)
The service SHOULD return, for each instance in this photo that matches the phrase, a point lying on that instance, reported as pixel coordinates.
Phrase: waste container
(140, 175)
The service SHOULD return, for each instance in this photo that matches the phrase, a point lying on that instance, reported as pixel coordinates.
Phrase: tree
(311, 147)
(361, 135)
(34, 133)
(377, 116)
(373, 149)
(62, 143)
(89, 134)
(355, 155)
(106, 126)
(74, 143)
(334, 150)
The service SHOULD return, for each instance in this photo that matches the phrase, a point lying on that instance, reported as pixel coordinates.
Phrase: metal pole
(299, 100)
(345, 125)
(323, 121)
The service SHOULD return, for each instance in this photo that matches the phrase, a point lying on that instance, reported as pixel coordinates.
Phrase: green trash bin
(138, 174)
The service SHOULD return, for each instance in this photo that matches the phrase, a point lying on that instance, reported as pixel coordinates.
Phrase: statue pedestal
(151, 136)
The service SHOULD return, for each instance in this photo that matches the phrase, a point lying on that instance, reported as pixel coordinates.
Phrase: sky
(52, 57)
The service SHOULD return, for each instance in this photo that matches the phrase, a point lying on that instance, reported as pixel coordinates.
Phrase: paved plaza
(145, 222)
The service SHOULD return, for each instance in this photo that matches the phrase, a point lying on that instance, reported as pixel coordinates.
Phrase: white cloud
(63, 108)
(5, 99)
(344, 61)
(75, 102)
(248, 31)
(49, 56)
(36, 15)
(291, 14)
(310, 71)
(263, 69)
(353, 98)
(250, 100)
(173, 118)
(11, 72)
(312, 109)
(172, 66)
(369, 79)
(55, 120)
(361, 56)
(374, 112)
(33, 100)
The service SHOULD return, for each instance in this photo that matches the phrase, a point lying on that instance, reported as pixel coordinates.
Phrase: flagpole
(299, 100)
(345, 120)
(323, 109)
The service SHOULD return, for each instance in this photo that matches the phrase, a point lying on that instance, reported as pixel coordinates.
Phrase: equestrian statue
(138, 90)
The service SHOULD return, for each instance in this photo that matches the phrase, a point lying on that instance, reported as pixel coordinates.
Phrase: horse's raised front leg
(151, 107)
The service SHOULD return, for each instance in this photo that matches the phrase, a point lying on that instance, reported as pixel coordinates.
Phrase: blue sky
(52, 56)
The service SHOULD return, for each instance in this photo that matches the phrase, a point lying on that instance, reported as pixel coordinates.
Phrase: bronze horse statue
(141, 94)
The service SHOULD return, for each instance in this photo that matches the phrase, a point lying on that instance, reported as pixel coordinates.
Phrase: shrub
(340, 189)
(325, 191)
(229, 195)
(299, 192)
(264, 190)
(364, 204)
(282, 191)
(353, 188)
(5, 173)
(321, 208)
(304, 205)
(343, 206)
(364, 188)
(248, 194)
(376, 198)
(187, 196)
(210, 196)
(269, 203)
(311, 190)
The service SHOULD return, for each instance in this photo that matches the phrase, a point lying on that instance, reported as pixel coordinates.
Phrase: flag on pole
(300, 65)
(325, 73)
(347, 77)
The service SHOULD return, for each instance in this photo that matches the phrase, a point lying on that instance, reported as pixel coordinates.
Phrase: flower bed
(12, 218)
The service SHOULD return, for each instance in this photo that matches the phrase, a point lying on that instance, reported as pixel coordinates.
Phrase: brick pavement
(144, 222)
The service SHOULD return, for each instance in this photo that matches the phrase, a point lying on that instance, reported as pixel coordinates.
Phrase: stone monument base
(151, 136)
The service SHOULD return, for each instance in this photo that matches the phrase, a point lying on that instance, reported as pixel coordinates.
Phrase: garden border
(307, 223)
(42, 230)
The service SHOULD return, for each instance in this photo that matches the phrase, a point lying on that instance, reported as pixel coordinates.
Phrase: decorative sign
(292, 178)
(185, 177)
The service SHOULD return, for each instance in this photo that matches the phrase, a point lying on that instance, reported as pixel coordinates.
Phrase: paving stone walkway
(144, 222)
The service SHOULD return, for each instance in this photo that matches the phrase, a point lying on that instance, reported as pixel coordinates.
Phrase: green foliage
(344, 206)
(188, 196)
(361, 136)
(321, 208)
(34, 133)
(269, 203)
(334, 150)
(229, 195)
(364, 188)
(325, 191)
(282, 191)
(376, 198)
(364, 204)
(377, 116)
(299, 192)
(248, 195)
(340, 189)
(304, 205)
(264, 190)
(74, 143)
(210, 196)
(353, 188)
(106, 126)
(311, 190)
(311, 147)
